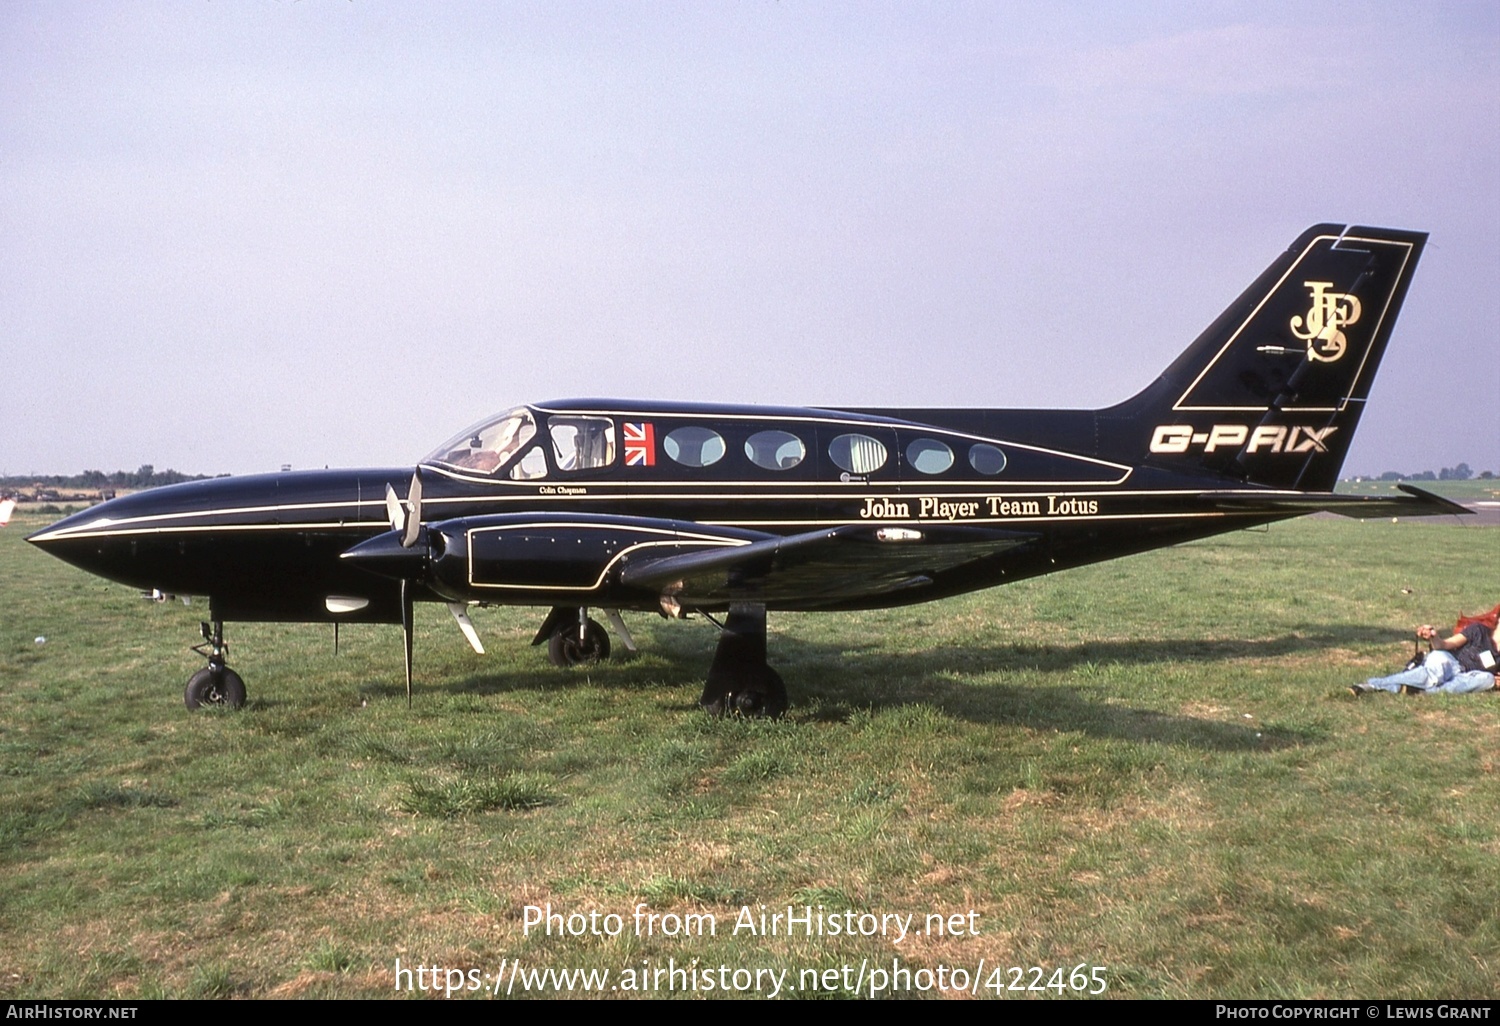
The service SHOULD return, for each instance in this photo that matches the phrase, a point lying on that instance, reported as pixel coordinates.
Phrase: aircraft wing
(1416, 502)
(820, 567)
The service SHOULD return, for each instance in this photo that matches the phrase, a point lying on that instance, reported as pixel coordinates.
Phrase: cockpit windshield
(488, 445)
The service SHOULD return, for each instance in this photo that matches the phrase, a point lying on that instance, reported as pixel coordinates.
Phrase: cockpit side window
(531, 466)
(582, 443)
(486, 446)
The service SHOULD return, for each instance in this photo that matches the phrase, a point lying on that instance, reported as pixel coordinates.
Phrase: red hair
(1490, 620)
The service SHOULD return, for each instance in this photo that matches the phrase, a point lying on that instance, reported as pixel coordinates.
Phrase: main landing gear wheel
(212, 686)
(753, 693)
(566, 648)
(740, 683)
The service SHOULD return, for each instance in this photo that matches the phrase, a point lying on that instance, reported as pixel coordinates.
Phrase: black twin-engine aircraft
(681, 508)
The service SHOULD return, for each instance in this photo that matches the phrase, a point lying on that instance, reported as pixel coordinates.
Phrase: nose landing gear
(581, 642)
(215, 684)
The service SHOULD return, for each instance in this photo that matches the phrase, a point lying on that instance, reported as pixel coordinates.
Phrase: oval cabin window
(986, 459)
(857, 454)
(929, 456)
(694, 446)
(775, 450)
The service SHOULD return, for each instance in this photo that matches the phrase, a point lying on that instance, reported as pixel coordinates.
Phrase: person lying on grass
(1459, 664)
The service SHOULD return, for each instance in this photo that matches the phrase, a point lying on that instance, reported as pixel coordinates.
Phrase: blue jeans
(1437, 669)
(1466, 683)
(1439, 672)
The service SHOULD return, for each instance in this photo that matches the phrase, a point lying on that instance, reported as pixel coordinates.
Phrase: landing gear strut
(574, 639)
(216, 684)
(740, 681)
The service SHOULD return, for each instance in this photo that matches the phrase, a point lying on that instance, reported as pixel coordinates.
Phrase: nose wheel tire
(566, 648)
(215, 687)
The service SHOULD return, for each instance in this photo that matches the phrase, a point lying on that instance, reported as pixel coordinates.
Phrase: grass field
(1150, 765)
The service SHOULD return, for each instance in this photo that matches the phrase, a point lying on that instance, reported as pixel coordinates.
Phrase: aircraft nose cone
(75, 539)
(52, 533)
(385, 555)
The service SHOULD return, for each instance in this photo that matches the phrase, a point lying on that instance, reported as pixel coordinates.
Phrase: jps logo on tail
(1171, 438)
(1329, 312)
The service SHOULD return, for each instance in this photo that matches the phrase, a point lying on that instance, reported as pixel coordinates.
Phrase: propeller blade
(414, 521)
(406, 625)
(395, 513)
(460, 613)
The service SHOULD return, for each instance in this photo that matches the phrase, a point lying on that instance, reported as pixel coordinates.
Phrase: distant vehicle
(688, 508)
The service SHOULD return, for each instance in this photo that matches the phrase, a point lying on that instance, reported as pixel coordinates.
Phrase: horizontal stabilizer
(1415, 503)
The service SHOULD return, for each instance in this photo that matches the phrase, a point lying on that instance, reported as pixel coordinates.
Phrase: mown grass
(1150, 764)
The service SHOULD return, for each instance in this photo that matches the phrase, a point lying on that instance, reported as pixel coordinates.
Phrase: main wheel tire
(222, 687)
(565, 648)
(760, 693)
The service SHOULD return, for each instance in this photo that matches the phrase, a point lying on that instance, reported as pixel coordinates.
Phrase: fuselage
(269, 547)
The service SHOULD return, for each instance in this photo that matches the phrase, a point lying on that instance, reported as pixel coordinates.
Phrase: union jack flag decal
(640, 445)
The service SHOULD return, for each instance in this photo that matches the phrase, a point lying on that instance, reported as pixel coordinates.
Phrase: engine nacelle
(507, 557)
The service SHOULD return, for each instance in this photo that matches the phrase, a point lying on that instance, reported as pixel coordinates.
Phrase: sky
(240, 235)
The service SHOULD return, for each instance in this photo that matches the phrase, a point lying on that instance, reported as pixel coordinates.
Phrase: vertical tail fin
(1271, 392)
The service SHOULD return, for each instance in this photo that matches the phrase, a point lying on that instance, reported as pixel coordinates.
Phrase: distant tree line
(1462, 472)
(146, 476)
